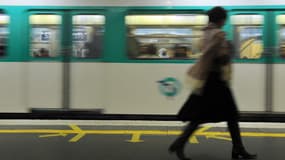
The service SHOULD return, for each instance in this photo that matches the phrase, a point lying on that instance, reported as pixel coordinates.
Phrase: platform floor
(133, 140)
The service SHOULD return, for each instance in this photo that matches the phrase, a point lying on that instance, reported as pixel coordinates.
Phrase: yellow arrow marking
(80, 134)
(75, 130)
(53, 135)
(203, 129)
(194, 139)
(135, 138)
(219, 137)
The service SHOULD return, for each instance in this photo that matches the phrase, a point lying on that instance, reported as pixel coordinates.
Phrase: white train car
(130, 56)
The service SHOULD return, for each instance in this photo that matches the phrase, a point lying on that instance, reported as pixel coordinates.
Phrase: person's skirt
(215, 104)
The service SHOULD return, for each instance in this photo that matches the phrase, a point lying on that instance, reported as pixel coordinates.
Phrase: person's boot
(241, 153)
(178, 151)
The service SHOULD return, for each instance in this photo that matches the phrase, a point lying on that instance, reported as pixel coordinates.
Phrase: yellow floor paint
(219, 137)
(135, 138)
(135, 134)
(79, 135)
(193, 140)
(53, 135)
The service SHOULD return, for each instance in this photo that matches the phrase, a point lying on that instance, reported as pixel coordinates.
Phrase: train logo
(169, 86)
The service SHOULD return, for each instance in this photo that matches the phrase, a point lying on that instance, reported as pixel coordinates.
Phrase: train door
(248, 31)
(57, 39)
(87, 85)
(278, 62)
(45, 69)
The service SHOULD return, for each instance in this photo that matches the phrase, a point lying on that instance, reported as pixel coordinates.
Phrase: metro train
(131, 56)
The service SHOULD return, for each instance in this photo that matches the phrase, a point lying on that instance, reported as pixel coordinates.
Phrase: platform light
(169, 3)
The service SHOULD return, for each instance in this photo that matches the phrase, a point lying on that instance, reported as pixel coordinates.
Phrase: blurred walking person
(211, 99)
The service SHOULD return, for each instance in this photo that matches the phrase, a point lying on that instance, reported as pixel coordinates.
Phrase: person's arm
(221, 48)
(215, 43)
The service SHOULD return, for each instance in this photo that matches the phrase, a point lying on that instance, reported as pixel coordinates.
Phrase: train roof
(141, 3)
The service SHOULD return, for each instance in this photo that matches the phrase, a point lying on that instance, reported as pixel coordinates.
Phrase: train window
(45, 35)
(174, 36)
(248, 35)
(4, 32)
(88, 31)
(281, 33)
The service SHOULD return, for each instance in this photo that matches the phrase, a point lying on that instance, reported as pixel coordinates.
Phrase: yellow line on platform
(136, 134)
(142, 132)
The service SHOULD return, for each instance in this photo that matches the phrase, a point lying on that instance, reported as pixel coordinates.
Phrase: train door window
(248, 35)
(4, 32)
(88, 32)
(45, 35)
(174, 36)
(281, 34)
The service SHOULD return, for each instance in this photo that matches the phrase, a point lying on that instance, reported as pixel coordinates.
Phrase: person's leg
(235, 133)
(179, 144)
(238, 147)
(187, 132)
